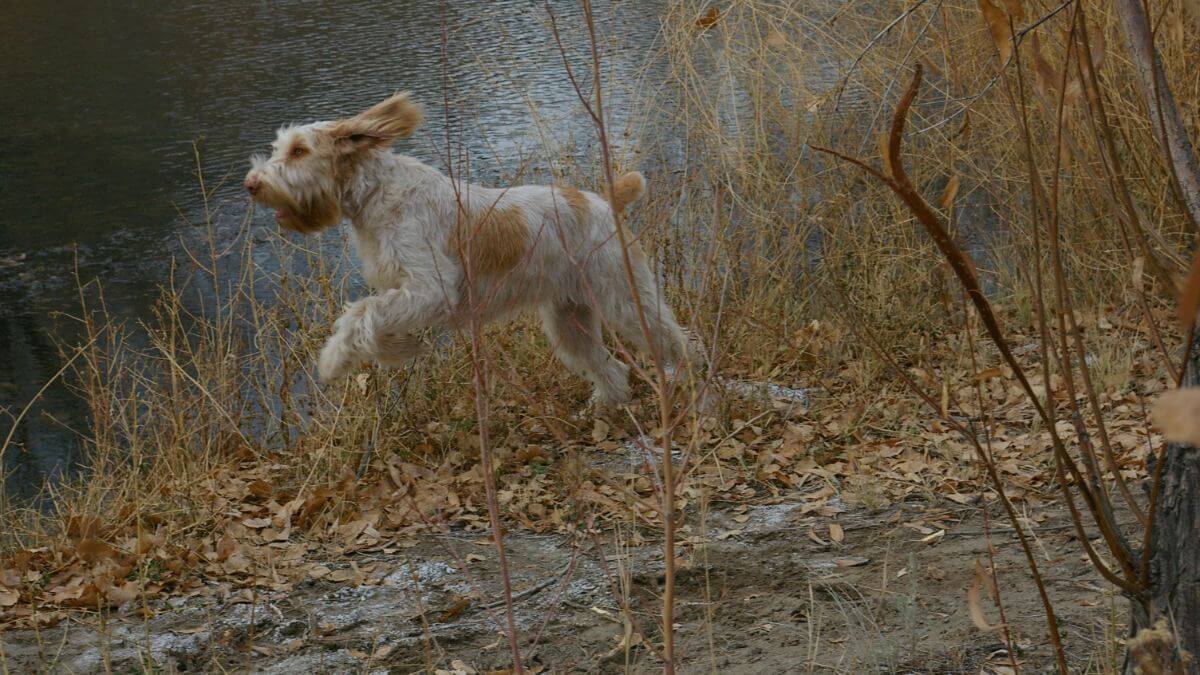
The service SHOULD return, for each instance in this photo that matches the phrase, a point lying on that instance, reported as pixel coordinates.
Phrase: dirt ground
(762, 592)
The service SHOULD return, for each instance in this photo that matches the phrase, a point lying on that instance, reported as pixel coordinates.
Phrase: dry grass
(769, 251)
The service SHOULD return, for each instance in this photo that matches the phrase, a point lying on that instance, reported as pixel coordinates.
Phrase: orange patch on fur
(380, 125)
(626, 190)
(311, 217)
(496, 240)
(320, 214)
(577, 201)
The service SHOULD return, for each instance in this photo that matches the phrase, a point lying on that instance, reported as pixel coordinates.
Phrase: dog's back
(532, 244)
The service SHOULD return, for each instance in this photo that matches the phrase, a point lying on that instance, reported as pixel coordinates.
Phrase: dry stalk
(479, 366)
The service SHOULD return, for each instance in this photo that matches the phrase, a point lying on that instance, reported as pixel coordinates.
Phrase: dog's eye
(298, 151)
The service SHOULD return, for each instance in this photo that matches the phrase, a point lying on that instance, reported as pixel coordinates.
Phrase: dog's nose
(251, 184)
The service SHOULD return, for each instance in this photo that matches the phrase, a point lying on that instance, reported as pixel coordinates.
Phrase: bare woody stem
(1160, 103)
(482, 409)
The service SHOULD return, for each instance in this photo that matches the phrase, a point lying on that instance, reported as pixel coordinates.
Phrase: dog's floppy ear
(379, 126)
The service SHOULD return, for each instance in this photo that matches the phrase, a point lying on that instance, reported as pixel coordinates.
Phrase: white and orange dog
(444, 253)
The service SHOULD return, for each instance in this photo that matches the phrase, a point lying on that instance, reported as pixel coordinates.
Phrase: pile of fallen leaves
(257, 524)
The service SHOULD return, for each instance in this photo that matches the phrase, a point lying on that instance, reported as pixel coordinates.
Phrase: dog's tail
(627, 189)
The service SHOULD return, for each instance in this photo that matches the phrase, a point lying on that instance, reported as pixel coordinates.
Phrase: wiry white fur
(404, 214)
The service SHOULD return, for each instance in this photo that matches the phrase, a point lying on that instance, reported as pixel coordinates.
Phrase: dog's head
(308, 166)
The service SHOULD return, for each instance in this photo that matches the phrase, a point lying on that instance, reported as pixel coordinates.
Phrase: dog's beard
(317, 212)
(318, 215)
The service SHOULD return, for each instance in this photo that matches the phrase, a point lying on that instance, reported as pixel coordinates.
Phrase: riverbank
(822, 528)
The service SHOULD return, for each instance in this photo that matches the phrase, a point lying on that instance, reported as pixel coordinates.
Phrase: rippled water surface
(107, 104)
(111, 112)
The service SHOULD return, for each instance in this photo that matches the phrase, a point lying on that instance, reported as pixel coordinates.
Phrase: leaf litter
(266, 533)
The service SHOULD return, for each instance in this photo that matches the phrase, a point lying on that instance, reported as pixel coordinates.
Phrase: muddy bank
(763, 588)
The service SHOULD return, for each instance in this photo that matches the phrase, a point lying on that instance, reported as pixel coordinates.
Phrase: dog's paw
(334, 363)
(600, 406)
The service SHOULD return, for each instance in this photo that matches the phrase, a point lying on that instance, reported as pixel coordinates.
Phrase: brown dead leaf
(454, 610)
(84, 527)
(529, 453)
(345, 574)
(1044, 79)
(237, 561)
(1177, 415)
(817, 538)
(119, 595)
(322, 494)
(998, 26)
(259, 488)
(225, 548)
(73, 593)
(92, 550)
(8, 597)
(949, 193)
(1015, 10)
(709, 18)
(600, 430)
(836, 533)
(989, 373)
(979, 581)
(10, 577)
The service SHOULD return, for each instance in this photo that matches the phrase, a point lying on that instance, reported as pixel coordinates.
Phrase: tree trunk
(1165, 625)
(1174, 590)
(1164, 113)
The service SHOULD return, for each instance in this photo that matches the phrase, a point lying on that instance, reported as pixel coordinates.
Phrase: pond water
(112, 108)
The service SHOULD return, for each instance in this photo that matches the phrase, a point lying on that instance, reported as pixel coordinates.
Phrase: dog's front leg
(344, 349)
(373, 328)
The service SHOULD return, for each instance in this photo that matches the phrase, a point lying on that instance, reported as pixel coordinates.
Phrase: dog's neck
(364, 189)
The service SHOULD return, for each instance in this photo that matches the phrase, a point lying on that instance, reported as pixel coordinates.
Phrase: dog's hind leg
(574, 332)
(661, 337)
